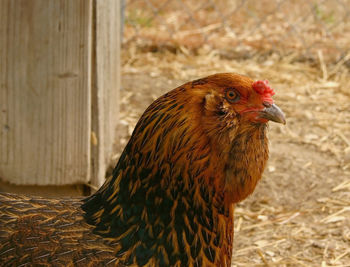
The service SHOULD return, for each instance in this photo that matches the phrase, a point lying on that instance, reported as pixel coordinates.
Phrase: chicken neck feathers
(195, 152)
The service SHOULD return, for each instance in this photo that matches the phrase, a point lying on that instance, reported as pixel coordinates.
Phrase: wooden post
(59, 83)
(106, 76)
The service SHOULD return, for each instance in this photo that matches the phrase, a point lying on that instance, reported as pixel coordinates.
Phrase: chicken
(195, 152)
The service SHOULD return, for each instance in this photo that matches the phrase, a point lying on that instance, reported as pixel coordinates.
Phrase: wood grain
(45, 90)
(106, 84)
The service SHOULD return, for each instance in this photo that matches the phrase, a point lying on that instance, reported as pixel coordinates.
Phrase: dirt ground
(299, 214)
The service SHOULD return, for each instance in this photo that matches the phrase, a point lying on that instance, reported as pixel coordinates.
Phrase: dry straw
(299, 215)
(300, 212)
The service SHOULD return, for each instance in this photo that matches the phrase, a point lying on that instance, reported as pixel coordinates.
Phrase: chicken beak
(273, 113)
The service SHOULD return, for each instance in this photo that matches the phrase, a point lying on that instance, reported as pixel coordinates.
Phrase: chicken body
(195, 152)
(49, 232)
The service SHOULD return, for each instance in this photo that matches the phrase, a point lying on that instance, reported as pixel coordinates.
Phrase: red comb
(263, 88)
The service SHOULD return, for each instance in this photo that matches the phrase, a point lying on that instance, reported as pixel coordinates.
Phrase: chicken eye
(232, 96)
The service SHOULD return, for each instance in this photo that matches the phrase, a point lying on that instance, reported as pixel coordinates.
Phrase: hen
(195, 152)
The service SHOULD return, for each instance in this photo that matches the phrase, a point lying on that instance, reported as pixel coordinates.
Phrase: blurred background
(242, 28)
(299, 215)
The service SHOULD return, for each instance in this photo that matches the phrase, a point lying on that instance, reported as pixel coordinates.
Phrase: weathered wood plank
(106, 84)
(45, 91)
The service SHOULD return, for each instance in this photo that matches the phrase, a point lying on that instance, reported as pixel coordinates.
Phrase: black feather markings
(146, 211)
(210, 253)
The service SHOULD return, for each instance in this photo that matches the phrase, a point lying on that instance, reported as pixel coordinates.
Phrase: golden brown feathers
(48, 232)
(195, 152)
